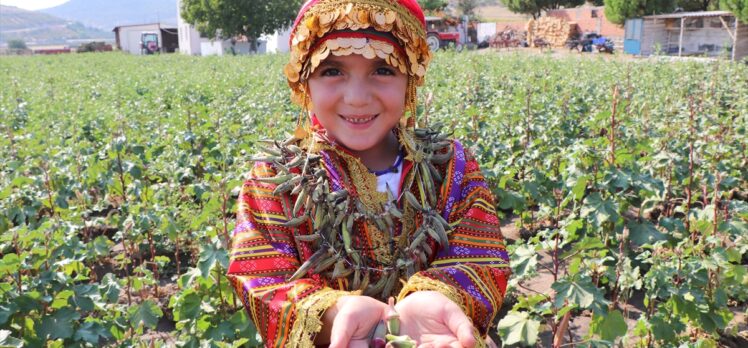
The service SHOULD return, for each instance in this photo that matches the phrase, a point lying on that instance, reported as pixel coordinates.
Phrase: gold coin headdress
(392, 30)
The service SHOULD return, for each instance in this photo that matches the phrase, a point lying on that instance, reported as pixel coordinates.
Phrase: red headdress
(393, 30)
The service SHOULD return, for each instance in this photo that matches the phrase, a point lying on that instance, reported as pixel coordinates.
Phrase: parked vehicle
(440, 33)
(149, 43)
(591, 41)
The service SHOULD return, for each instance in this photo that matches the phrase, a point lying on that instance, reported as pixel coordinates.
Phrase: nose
(357, 92)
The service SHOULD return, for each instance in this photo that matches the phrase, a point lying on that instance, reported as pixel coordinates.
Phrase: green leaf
(609, 326)
(6, 311)
(188, 306)
(510, 200)
(580, 292)
(9, 264)
(109, 288)
(641, 233)
(524, 260)
(146, 313)
(59, 324)
(209, 256)
(519, 328)
(91, 332)
(580, 186)
(599, 209)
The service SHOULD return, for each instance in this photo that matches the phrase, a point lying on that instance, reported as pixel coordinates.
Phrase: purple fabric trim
(459, 173)
(464, 253)
(284, 248)
(471, 186)
(334, 176)
(244, 226)
(262, 281)
(467, 285)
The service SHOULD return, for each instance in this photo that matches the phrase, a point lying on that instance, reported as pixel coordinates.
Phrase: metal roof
(692, 14)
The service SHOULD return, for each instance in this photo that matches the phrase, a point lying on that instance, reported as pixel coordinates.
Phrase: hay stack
(555, 31)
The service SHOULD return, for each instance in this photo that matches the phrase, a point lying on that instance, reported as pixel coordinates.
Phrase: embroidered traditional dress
(472, 271)
(449, 242)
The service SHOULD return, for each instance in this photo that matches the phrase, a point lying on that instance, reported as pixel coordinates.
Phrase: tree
(230, 18)
(431, 6)
(738, 7)
(536, 7)
(698, 5)
(617, 11)
(17, 44)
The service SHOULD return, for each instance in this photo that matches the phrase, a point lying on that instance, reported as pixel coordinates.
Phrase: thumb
(460, 325)
(341, 332)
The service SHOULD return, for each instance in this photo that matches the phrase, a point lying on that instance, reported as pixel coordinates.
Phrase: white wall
(486, 31)
(129, 37)
(276, 43)
(189, 38)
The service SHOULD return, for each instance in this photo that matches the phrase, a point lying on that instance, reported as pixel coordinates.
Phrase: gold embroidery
(309, 313)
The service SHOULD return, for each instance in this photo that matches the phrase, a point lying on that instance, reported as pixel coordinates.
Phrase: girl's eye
(330, 72)
(385, 71)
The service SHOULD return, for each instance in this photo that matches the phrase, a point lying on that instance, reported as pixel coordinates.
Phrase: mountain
(108, 14)
(36, 28)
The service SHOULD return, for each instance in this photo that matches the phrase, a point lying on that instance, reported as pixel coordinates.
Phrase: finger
(341, 331)
(460, 325)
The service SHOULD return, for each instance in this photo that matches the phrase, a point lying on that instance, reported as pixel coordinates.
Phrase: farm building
(146, 38)
(708, 33)
(590, 19)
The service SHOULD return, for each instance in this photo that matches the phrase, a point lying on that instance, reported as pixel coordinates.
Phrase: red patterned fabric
(473, 271)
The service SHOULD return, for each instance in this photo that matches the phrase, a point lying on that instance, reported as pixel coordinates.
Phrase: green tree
(738, 7)
(230, 18)
(430, 6)
(698, 5)
(536, 7)
(617, 11)
(17, 45)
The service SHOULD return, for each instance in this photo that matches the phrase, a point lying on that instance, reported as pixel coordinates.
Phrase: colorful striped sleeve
(473, 271)
(262, 257)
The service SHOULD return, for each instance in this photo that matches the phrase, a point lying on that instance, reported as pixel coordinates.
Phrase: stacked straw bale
(555, 31)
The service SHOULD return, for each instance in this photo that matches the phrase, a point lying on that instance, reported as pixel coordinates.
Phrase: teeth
(359, 120)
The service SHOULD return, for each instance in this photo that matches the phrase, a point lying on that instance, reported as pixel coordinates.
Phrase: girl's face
(358, 100)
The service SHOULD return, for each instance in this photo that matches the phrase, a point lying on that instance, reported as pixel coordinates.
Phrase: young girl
(359, 205)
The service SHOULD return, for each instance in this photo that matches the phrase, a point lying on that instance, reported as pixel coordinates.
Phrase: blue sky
(32, 4)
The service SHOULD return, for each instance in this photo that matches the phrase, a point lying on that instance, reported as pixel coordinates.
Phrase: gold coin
(381, 54)
(390, 16)
(291, 73)
(333, 44)
(358, 42)
(368, 52)
(379, 18)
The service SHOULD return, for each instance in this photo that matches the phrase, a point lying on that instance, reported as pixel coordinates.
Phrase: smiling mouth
(358, 119)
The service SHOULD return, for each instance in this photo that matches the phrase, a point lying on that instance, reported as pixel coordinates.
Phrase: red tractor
(441, 32)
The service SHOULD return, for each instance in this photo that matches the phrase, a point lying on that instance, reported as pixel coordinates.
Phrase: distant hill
(110, 13)
(37, 28)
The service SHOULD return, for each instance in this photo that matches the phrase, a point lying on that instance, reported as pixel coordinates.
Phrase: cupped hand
(353, 318)
(433, 320)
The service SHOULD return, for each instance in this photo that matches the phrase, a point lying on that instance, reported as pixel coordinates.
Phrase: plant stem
(691, 136)
(613, 127)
